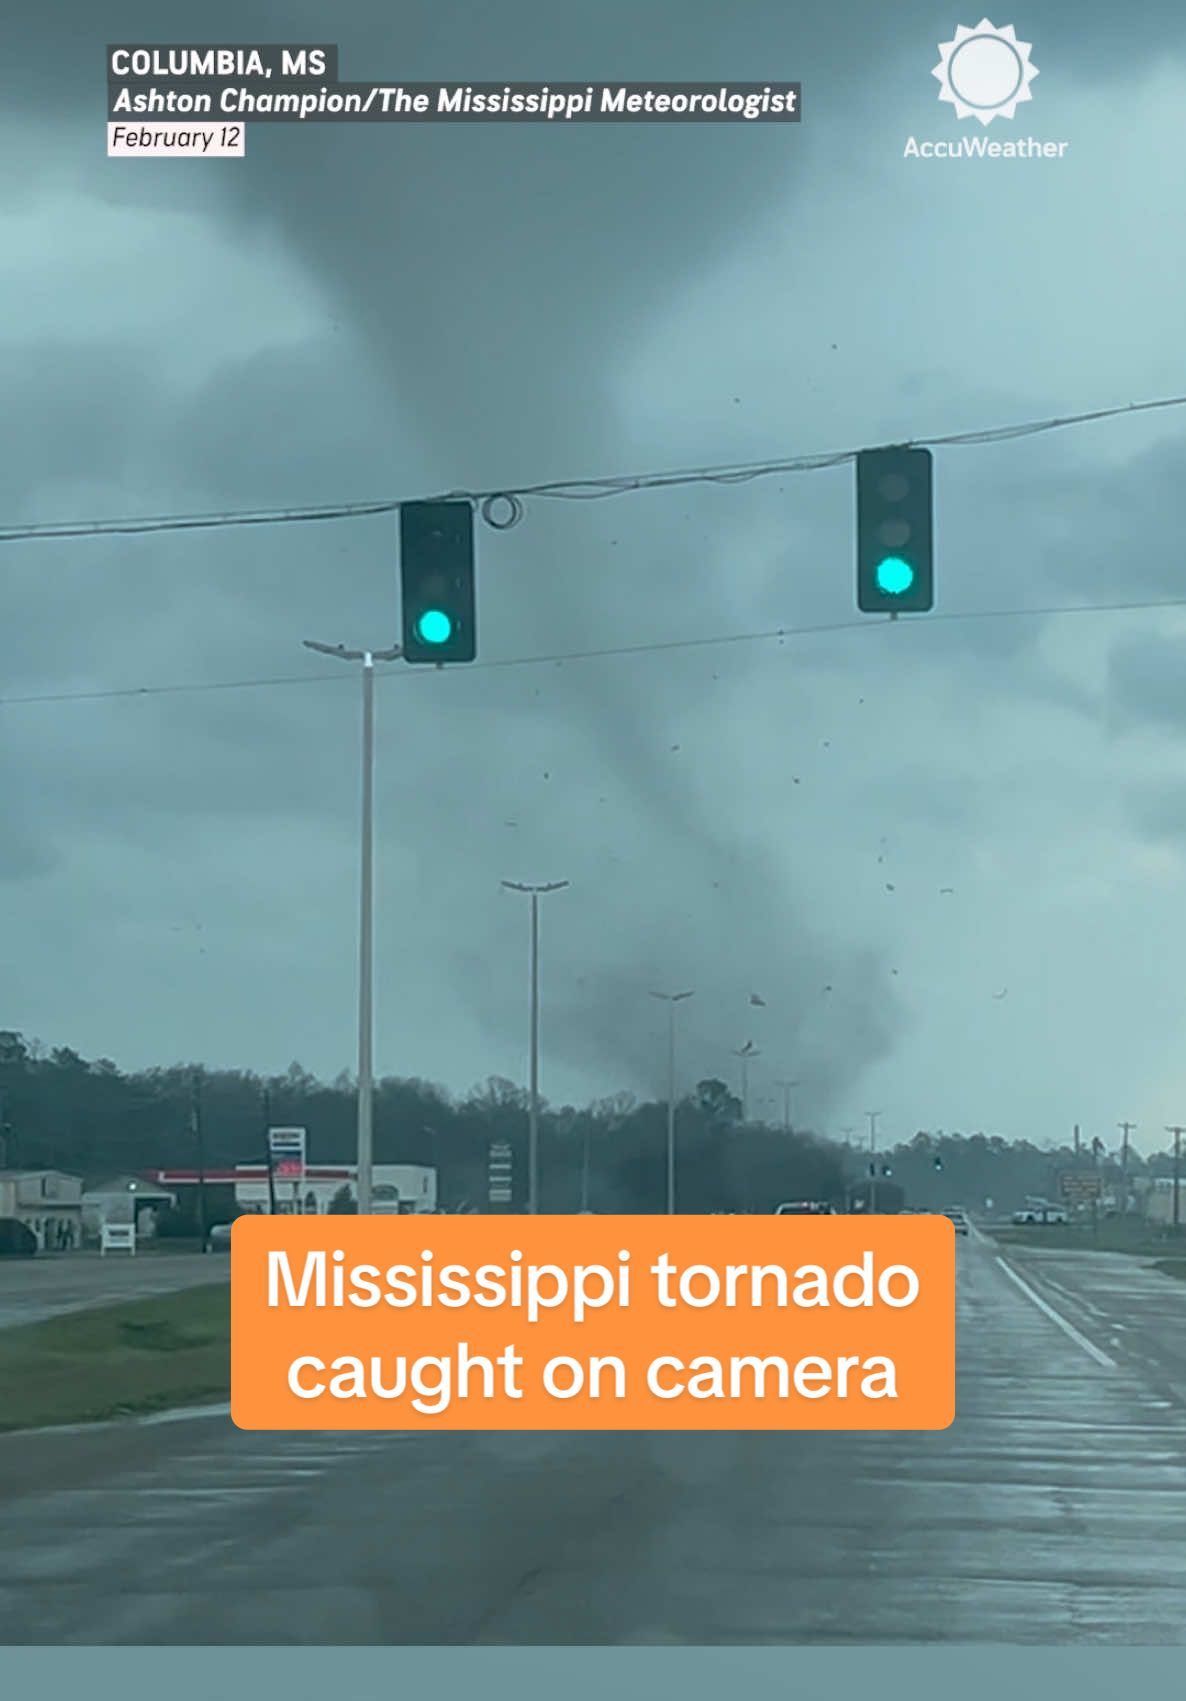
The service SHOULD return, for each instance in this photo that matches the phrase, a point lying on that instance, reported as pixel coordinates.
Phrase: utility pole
(1177, 1134)
(5, 1134)
(787, 1087)
(1126, 1128)
(872, 1115)
(268, 1150)
(671, 999)
(535, 893)
(585, 1154)
(195, 1117)
(1076, 1143)
(366, 930)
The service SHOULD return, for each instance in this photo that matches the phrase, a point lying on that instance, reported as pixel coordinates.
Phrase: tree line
(88, 1117)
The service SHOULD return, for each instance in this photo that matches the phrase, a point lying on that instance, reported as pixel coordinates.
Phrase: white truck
(1040, 1212)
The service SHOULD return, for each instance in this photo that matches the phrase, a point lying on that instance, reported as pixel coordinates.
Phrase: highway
(1053, 1511)
(32, 1289)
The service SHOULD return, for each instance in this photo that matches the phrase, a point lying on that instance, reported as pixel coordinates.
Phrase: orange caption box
(560, 1323)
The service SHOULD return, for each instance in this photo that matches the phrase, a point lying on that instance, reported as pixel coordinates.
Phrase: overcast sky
(391, 311)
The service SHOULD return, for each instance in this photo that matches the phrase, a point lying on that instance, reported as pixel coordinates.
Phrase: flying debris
(760, 1002)
(675, 746)
(890, 888)
(1002, 994)
(794, 779)
(945, 889)
(827, 989)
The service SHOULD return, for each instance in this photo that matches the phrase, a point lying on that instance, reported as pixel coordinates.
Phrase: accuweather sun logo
(985, 72)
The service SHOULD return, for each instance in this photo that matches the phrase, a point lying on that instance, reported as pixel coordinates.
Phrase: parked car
(958, 1217)
(1040, 1215)
(17, 1239)
(219, 1238)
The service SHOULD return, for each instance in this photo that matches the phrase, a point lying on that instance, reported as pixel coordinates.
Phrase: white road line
(1068, 1329)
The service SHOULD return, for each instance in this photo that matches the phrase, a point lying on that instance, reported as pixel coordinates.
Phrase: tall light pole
(535, 893)
(671, 999)
(366, 926)
(787, 1088)
(872, 1115)
(745, 1053)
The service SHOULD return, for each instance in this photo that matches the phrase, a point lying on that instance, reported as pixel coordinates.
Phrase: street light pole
(535, 893)
(671, 999)
(745, 1053)
(366, 929)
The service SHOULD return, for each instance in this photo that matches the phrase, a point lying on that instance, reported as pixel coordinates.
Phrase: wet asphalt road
(32, 1289)
(1053, 1511)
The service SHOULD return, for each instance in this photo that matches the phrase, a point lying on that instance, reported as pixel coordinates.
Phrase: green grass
(1172, 1267)
(1138, 1239)
(141, 1356)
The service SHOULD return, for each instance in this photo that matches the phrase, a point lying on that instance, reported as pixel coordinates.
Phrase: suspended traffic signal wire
(558, 658)
(502, 509)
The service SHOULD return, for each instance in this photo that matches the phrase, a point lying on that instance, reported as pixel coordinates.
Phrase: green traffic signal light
(436, 560)
(434, 627)
(894, 576)
(895, 565)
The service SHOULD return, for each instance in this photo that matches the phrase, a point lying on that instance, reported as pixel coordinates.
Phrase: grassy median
(141, 1356)
(1139, 1240)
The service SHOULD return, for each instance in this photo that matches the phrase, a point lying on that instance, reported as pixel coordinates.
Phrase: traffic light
(938, 1163)
(895, 569)
(436, 562)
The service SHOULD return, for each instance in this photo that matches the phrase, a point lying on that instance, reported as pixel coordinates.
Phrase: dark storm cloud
(1147, 680)
(1159, 813)
(1098, 522)
(66, 393)
(496, 289)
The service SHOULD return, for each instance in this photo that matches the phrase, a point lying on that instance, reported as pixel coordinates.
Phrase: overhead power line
(588, 489)
(608, 652)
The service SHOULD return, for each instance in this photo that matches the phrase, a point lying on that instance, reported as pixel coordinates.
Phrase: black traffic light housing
(895, 565)
(436, 563)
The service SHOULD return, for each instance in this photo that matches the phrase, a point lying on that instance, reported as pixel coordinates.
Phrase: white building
(1157, 1199)
(124, 1199)
(46, 1200)
(397, 1189)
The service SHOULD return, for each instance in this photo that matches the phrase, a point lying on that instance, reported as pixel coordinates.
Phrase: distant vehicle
(219, 1238)
(1040, 1214)
(958, 1217)
(805, 1208)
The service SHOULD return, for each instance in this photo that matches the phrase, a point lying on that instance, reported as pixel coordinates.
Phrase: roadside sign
(499, 1174)
(1078, 1186)
(117, 1237)
(287, 1149)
